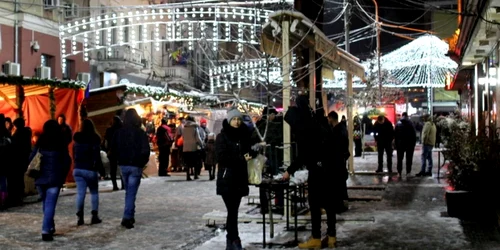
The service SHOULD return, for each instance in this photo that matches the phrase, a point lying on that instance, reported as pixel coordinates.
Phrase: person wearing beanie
(233, 150)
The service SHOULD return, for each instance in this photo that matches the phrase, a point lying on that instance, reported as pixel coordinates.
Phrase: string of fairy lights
(420, 63)
(169, 24)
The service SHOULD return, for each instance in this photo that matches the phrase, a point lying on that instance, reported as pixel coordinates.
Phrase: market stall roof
(159, 93)
(120, 107)
(304, 34)
(32, 86)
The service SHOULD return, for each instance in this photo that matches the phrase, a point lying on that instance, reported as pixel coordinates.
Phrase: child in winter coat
(210, 159)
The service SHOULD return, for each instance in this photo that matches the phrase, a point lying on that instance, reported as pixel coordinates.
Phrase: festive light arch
(191, 22)
(420, 63)
(247, 72)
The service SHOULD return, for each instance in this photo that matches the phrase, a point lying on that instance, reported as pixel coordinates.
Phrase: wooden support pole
(285, 44)
(312, 76)
(20, 100)
(52, 103)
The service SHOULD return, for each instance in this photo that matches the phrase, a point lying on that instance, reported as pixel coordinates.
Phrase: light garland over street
(420, 63)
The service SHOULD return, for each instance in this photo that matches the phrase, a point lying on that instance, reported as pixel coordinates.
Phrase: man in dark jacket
(68, 133)
(406, 138)
(325, 159)
(384, 134)
(108, 139)
(130, 148)
(164, 142)
(21, 149)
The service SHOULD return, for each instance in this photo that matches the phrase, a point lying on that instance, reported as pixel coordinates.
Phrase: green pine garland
(159, 93)
(52, 101)
(26, 81)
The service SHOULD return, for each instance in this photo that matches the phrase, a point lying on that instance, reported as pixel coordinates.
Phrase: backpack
(168, 139)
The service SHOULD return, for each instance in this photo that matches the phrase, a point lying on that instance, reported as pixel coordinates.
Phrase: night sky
(393, 10)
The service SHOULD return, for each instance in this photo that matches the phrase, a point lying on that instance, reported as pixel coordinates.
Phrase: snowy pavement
(168, 216)
(170, 210)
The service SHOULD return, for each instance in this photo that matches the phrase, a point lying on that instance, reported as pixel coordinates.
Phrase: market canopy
(420, 63)
(304, 34)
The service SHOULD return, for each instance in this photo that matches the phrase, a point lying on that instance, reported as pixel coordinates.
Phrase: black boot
(95, 218)
(237, 244)
(80, 218)
(229, 245)
(127, 223)
(47, 237)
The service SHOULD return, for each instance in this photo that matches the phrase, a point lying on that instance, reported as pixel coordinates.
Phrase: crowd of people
(321, 140)
(127, 147)
(403, 138)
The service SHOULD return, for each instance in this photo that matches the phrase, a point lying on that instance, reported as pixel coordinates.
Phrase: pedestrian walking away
(54, 167)
(108, 138)
(130, 148)
(428, 142)
(405, 138)
(384, 135)
(87, 158)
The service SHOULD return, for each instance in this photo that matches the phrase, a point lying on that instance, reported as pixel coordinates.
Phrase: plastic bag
(254, 167)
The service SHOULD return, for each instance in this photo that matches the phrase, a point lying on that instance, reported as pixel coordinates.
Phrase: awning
(460, 80)
(304, 34)
(120, 107)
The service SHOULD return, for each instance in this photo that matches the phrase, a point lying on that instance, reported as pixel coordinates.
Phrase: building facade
(29, 36)
(475, 46)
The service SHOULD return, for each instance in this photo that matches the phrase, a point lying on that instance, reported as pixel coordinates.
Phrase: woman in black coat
(54, 168)
(232, 148)
(130, 148)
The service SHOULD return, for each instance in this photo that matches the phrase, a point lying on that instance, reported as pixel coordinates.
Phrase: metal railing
(121, 53)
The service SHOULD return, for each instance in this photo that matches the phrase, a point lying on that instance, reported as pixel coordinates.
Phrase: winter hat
(232, 113)
(203, 121)
(211, 136)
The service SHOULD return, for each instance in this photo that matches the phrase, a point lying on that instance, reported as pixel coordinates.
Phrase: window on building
(140, 37)
(49, 2)
(113, 34)
(125, 31)
(102, 37)
(69, 70)
(46, 60)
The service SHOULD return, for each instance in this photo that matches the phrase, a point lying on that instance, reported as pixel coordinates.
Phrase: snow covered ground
(170, 210)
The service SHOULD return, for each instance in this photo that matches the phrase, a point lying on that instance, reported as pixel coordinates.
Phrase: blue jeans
(426, 156)
(3, 184)
(49, 197)
(86, 178)
(131, 180)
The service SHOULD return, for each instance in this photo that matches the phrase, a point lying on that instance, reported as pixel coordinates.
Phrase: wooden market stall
(151, 103)
(38, 100)
(287, 31)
